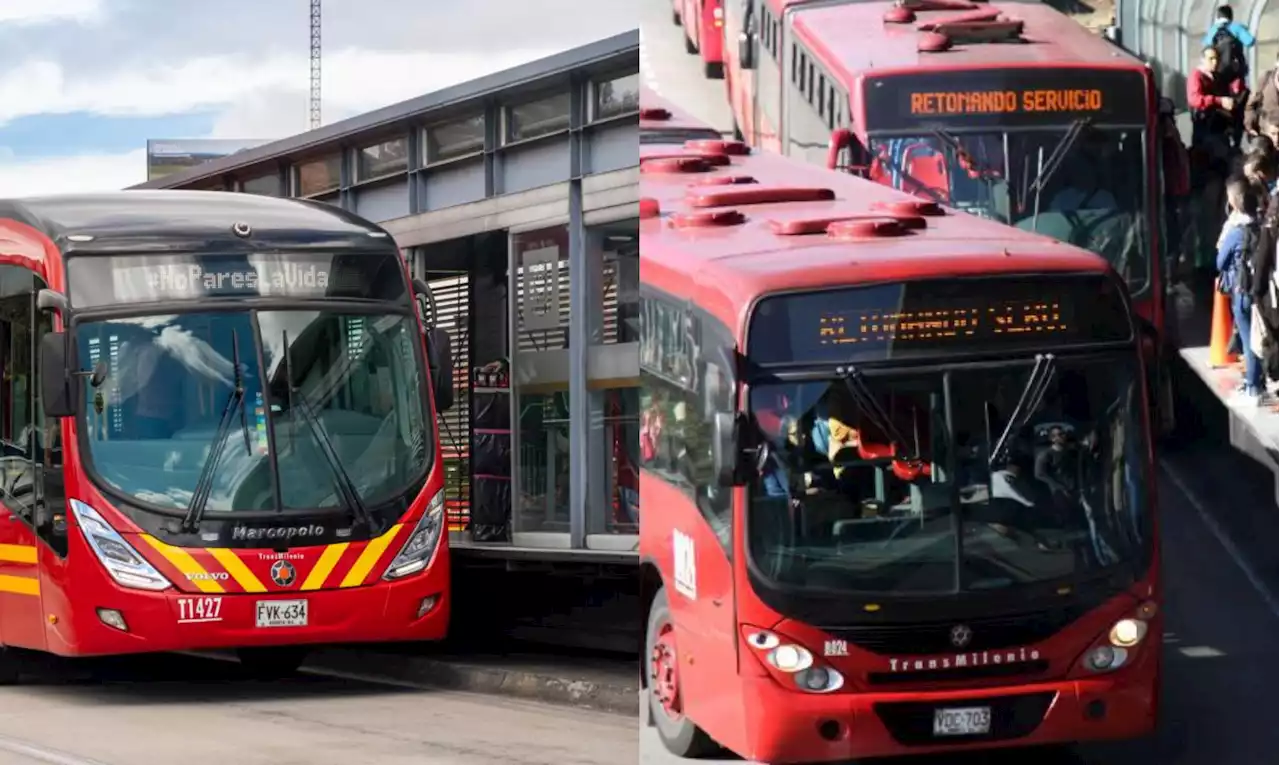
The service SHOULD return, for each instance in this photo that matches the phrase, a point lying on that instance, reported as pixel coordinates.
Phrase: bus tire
(11, 665)
(275, 663)
(679, 734)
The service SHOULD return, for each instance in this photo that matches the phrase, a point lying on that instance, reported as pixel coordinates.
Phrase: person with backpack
(1230, 39)
(1236, 245)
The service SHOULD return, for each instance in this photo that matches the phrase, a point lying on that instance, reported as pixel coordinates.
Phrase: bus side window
(49, 517)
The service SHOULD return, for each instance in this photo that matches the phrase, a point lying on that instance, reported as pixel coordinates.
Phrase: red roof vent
(824, 224)
(711, 158)
(711, 146)
(758, 195)
(981, 26)
(912, 208)
(724, 180)
(932, 42)
(866, 228)
(675, 165)
(987, 14)
(899, 14)
(655, 113)
(709, 219)
(649, 208)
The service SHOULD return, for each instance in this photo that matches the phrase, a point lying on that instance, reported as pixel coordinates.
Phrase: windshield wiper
(866, 400)
(346, 486)
(1032, 396)
(1050, 166)
(204, 483)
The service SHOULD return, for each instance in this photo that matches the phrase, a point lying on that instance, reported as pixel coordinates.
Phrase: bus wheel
(11, 665)
(666, 707)
(272, 663)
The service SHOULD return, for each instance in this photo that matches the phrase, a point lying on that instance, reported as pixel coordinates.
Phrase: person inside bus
(149, 390)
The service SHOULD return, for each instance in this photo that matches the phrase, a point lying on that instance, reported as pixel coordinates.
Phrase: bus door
(21, 615)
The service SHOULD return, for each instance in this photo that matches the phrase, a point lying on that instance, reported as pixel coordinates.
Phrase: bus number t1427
(199, 610)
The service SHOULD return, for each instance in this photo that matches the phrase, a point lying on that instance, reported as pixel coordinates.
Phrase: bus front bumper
(416, 608)
(789, 727)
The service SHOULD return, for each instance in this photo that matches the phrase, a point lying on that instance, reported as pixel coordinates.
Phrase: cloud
(354, 80)
(32, 12)
(84, 172)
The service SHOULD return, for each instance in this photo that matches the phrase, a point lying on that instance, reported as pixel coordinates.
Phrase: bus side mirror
(726, 449)
(440, 360)
(55, 385)
(747, 48)
(843, 140)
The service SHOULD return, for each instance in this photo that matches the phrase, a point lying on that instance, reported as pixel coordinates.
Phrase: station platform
(1252, 430)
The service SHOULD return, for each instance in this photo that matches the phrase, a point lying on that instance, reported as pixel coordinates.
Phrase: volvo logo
(960, 634)
(283, 573)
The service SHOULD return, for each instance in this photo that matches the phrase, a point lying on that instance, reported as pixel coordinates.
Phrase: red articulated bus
(897, 472)
(1008, 110)
(703, 22)
(217, 430)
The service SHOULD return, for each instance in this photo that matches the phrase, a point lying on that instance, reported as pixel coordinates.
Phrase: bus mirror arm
(726, 448)
(843, 139)
(55, 383)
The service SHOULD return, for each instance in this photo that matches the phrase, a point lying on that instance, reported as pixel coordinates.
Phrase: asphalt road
(170, 709)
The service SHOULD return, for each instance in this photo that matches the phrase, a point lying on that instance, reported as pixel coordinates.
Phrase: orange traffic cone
(1220, 331)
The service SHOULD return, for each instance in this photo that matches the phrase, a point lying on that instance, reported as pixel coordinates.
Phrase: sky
(85, 83)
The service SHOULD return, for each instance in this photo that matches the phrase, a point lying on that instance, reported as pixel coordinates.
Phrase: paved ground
(136, 713)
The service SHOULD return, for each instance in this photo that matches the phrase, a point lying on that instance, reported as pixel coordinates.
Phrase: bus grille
(911, 722)
(935, 638)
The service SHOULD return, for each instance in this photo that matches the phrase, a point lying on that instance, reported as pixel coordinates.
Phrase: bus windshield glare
(947, 435)
(156, 388)
(1090, 195)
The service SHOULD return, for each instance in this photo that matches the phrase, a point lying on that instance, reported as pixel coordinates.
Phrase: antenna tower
(315, 64)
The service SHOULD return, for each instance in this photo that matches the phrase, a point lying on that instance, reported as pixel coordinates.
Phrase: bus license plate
(965, 721)
(282, 613)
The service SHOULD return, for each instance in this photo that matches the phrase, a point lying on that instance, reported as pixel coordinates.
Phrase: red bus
(703, 27)
(1008, 110)
(897, 472)
(217, 430)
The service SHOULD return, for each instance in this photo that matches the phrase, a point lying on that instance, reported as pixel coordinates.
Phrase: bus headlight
(819, 680)
(789, 658)
(1127, 633)
(421, 544)
(1104, 658)
(125, 565)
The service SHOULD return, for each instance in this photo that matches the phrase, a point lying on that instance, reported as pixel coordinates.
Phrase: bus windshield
(1090, 195)
(156, 388)
(1039, 467)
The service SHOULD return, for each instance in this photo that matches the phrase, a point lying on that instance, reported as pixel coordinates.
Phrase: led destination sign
(1004, 98)
(924, 319)
(1006, 101)
(978, 321)
(98, 280)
